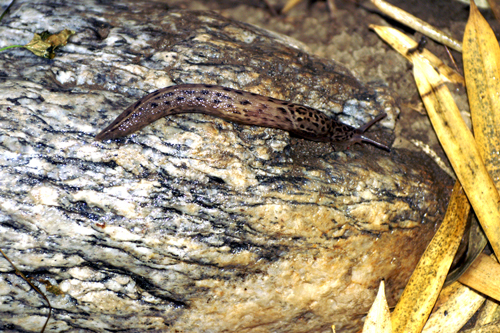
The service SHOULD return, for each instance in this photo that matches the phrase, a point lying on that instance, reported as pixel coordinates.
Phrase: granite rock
(194, 224)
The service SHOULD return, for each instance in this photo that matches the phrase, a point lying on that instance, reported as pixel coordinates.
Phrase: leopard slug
(238, 106)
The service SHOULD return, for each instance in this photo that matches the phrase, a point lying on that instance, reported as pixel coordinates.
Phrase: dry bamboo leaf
(403, 44)
(483, 4)
(461, 149)
(488, 314)
(454, 313)
(495, 8)
(417, 24)
(483, 276)
(491, 328)
(289, 5)
(482, 72)
(378, 319)
(422, 290)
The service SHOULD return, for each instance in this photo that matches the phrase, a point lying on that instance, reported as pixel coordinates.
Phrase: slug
(238, 106)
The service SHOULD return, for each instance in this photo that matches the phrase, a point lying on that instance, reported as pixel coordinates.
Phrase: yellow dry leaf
(403, 44)
(45, 44)
(422, 290)
(461, 149)
(378, 319)
(482, 73)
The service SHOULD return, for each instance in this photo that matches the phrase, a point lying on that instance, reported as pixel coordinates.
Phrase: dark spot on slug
(166, 102)
(227, 89)
(322, 121)
(155, 93)
(136, 105)
(301, 125)
(169, 94)
(245, 102)
(200, 99)
(204, 92)
(189, 92)
(254, 94)
(216, 101)
(239, 92)
(153, 105)
(229, 105)
(299, 119)
(208, 86)
(180, 98)
(218, 94)
(283, 110)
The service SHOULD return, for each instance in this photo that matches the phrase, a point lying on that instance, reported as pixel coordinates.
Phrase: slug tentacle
(359, 137)
(238, 106)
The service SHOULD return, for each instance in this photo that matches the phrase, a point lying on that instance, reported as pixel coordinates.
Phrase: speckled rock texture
(194, 224)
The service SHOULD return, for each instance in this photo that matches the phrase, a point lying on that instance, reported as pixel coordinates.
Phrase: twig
(417, 24)
(19, 273)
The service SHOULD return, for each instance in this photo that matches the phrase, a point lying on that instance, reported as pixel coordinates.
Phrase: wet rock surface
(194, 224)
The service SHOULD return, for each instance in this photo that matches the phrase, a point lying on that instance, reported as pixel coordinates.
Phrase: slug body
(238, 106)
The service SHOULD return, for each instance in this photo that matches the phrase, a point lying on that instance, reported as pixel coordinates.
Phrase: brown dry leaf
(422, 290)
(452, 314)
(482, 73)
(378, 319)
(403, 44)
(45, 44)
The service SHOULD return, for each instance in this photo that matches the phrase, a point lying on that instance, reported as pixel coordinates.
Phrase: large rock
(194, 224)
